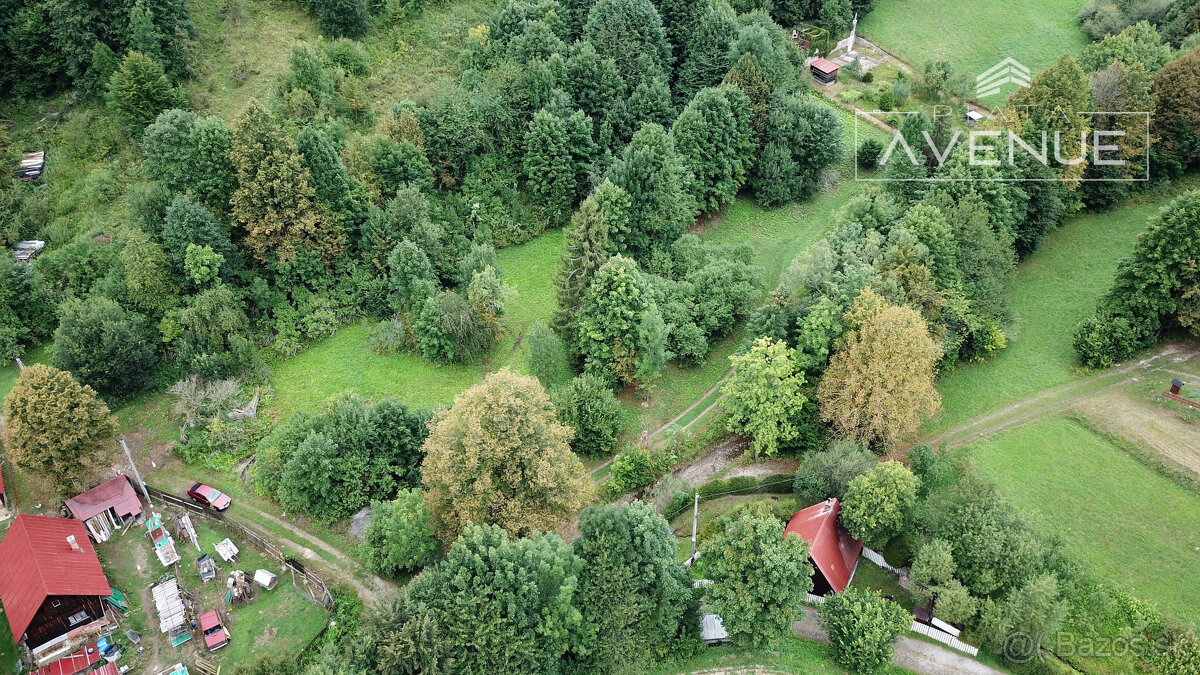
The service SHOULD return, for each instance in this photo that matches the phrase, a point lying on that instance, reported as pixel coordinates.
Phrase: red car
(209, 496)
(215, 635)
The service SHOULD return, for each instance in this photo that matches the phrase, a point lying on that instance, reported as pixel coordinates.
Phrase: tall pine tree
(586, 248)
(659, 185)
(549, 168)
(716, 142)
(705, 56)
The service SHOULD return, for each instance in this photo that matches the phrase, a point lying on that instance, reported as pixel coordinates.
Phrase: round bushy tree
(343, 18)
(399, 538)
(863, 626)
(879, 503)
(765, 395)
(588, 406)
(828, 473)
(104, 345)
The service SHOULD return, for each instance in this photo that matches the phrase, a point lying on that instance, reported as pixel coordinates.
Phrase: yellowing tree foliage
(499, 456)
(879, 384)
(55, 427)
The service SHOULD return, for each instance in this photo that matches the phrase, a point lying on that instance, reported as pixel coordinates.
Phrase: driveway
(911, 653)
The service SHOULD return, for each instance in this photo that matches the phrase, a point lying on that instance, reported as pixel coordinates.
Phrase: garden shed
(824, 70)
(834, 553)
(106, 507)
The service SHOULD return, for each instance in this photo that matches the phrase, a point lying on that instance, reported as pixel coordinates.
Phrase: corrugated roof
(116, 494)
(833, 550)
(37, 562)
(75, 663)
(824, 65)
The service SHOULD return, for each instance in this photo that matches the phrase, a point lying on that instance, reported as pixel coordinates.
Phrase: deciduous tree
(879, 384)
(399, 538)
(104, 345)
(765, 395)
(56, 428)
(863, 626)
(499, 456)
(588, 406)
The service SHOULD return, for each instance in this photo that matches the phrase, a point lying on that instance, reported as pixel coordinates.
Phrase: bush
(868, 153)
(1107, 338)
(546, 356)
(588, 405)
(343, 18)
(100, 186)
(827, 474)
(868, 77)
(901, 89)
(862, 628)
(399, 537)
(451, 329)
(630, 470)
(886, 100)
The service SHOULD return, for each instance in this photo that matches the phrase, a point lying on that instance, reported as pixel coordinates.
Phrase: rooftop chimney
(73, 543)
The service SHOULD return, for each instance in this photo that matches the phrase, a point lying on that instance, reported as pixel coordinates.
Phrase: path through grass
(1124, 521)
(1051, 293)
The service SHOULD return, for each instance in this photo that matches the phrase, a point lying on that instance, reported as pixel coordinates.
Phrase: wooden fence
(944, 638)
(314, 586)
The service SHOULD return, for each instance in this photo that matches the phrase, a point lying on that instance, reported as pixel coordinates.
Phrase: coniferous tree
(803, 138)
(212, 181)
(139, 91)
(618, 326)
(343, 18)
(187, 224)
(549, 168)
(169, 149)
(594, 83)
(147, 273)
(658, 182)
(580, 130)
(344, 196)
(630, 32)
(748, 76)
(715, 140)
(585, 250)
(650, 103)
(705, 54)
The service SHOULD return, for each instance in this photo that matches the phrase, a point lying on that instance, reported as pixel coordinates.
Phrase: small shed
(32, 166)
(106, 507)
(265, 578)
(711, 629)
(833, 551)
(824, 70)
(974, 117)
(26, 251)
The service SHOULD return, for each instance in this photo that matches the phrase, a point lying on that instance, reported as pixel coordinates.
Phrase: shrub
(399, 537)
(343, 18)
(886, 100)
(588, 405)
(630, 470)
(826, 474)
(546, 355)
(901, 89)
(868, 153)
(868, 77)
(101, 186)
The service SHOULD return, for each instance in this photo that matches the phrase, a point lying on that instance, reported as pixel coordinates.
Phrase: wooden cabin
(834, 553)
(52, 586)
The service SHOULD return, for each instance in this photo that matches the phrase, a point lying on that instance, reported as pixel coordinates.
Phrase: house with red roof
(52, 586)
(106, 507)
(834, 553)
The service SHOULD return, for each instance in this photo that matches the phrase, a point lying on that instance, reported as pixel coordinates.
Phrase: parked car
(209, 496)
(215, 634)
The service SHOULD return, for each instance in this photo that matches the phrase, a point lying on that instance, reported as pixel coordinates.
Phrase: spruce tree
(650, 103)
(658, 182)
(594, 83)
(139, 91)
(620, 329)
(705, 54)
(212, 181)
(343, 18)
(343, 196)
(188, 223)
(549, 168)
(586, 248)
(748, 76)
(626, 31)
(715, 146)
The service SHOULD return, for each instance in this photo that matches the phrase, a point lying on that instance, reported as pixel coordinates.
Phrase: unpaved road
(911, 653)
(1147, 425)
(1063, 396)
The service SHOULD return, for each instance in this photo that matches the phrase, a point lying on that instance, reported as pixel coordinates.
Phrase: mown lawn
(975, 35)
(1127, 523)
(1052, 291)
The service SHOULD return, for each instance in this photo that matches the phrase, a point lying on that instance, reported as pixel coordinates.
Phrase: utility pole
(695, 524)
(137, 475)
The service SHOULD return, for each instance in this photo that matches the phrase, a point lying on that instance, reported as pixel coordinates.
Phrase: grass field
(974, 35)
(1051, 292)
(1127, 523)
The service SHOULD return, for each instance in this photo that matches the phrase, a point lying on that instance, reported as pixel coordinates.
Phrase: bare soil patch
(723, 455)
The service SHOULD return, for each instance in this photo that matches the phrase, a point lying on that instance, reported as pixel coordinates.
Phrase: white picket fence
(878, 560)
(816, 599)
(944, 638)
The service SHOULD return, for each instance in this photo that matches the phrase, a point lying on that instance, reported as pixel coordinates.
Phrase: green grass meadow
(1127, 523)
(1051, 292)
(974, 35)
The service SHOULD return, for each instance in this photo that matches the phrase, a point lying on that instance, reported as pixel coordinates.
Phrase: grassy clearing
(1051, 292)
(976, 35)
(870, 575)
(345, 363)
(794, 655)
(1126, 522)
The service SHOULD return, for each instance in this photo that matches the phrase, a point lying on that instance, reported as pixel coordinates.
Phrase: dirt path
(725, 454)
(1061, 397)
(347, 569)
(1146, 424)
(911, 653)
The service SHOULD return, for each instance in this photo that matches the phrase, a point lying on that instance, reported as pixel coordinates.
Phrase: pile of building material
(175, 609)
(32, 166)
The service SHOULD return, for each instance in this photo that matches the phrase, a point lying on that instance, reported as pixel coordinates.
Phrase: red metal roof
(37, 562)
(75, 663)
(833, 550)
(116, 494)
(824, 65)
